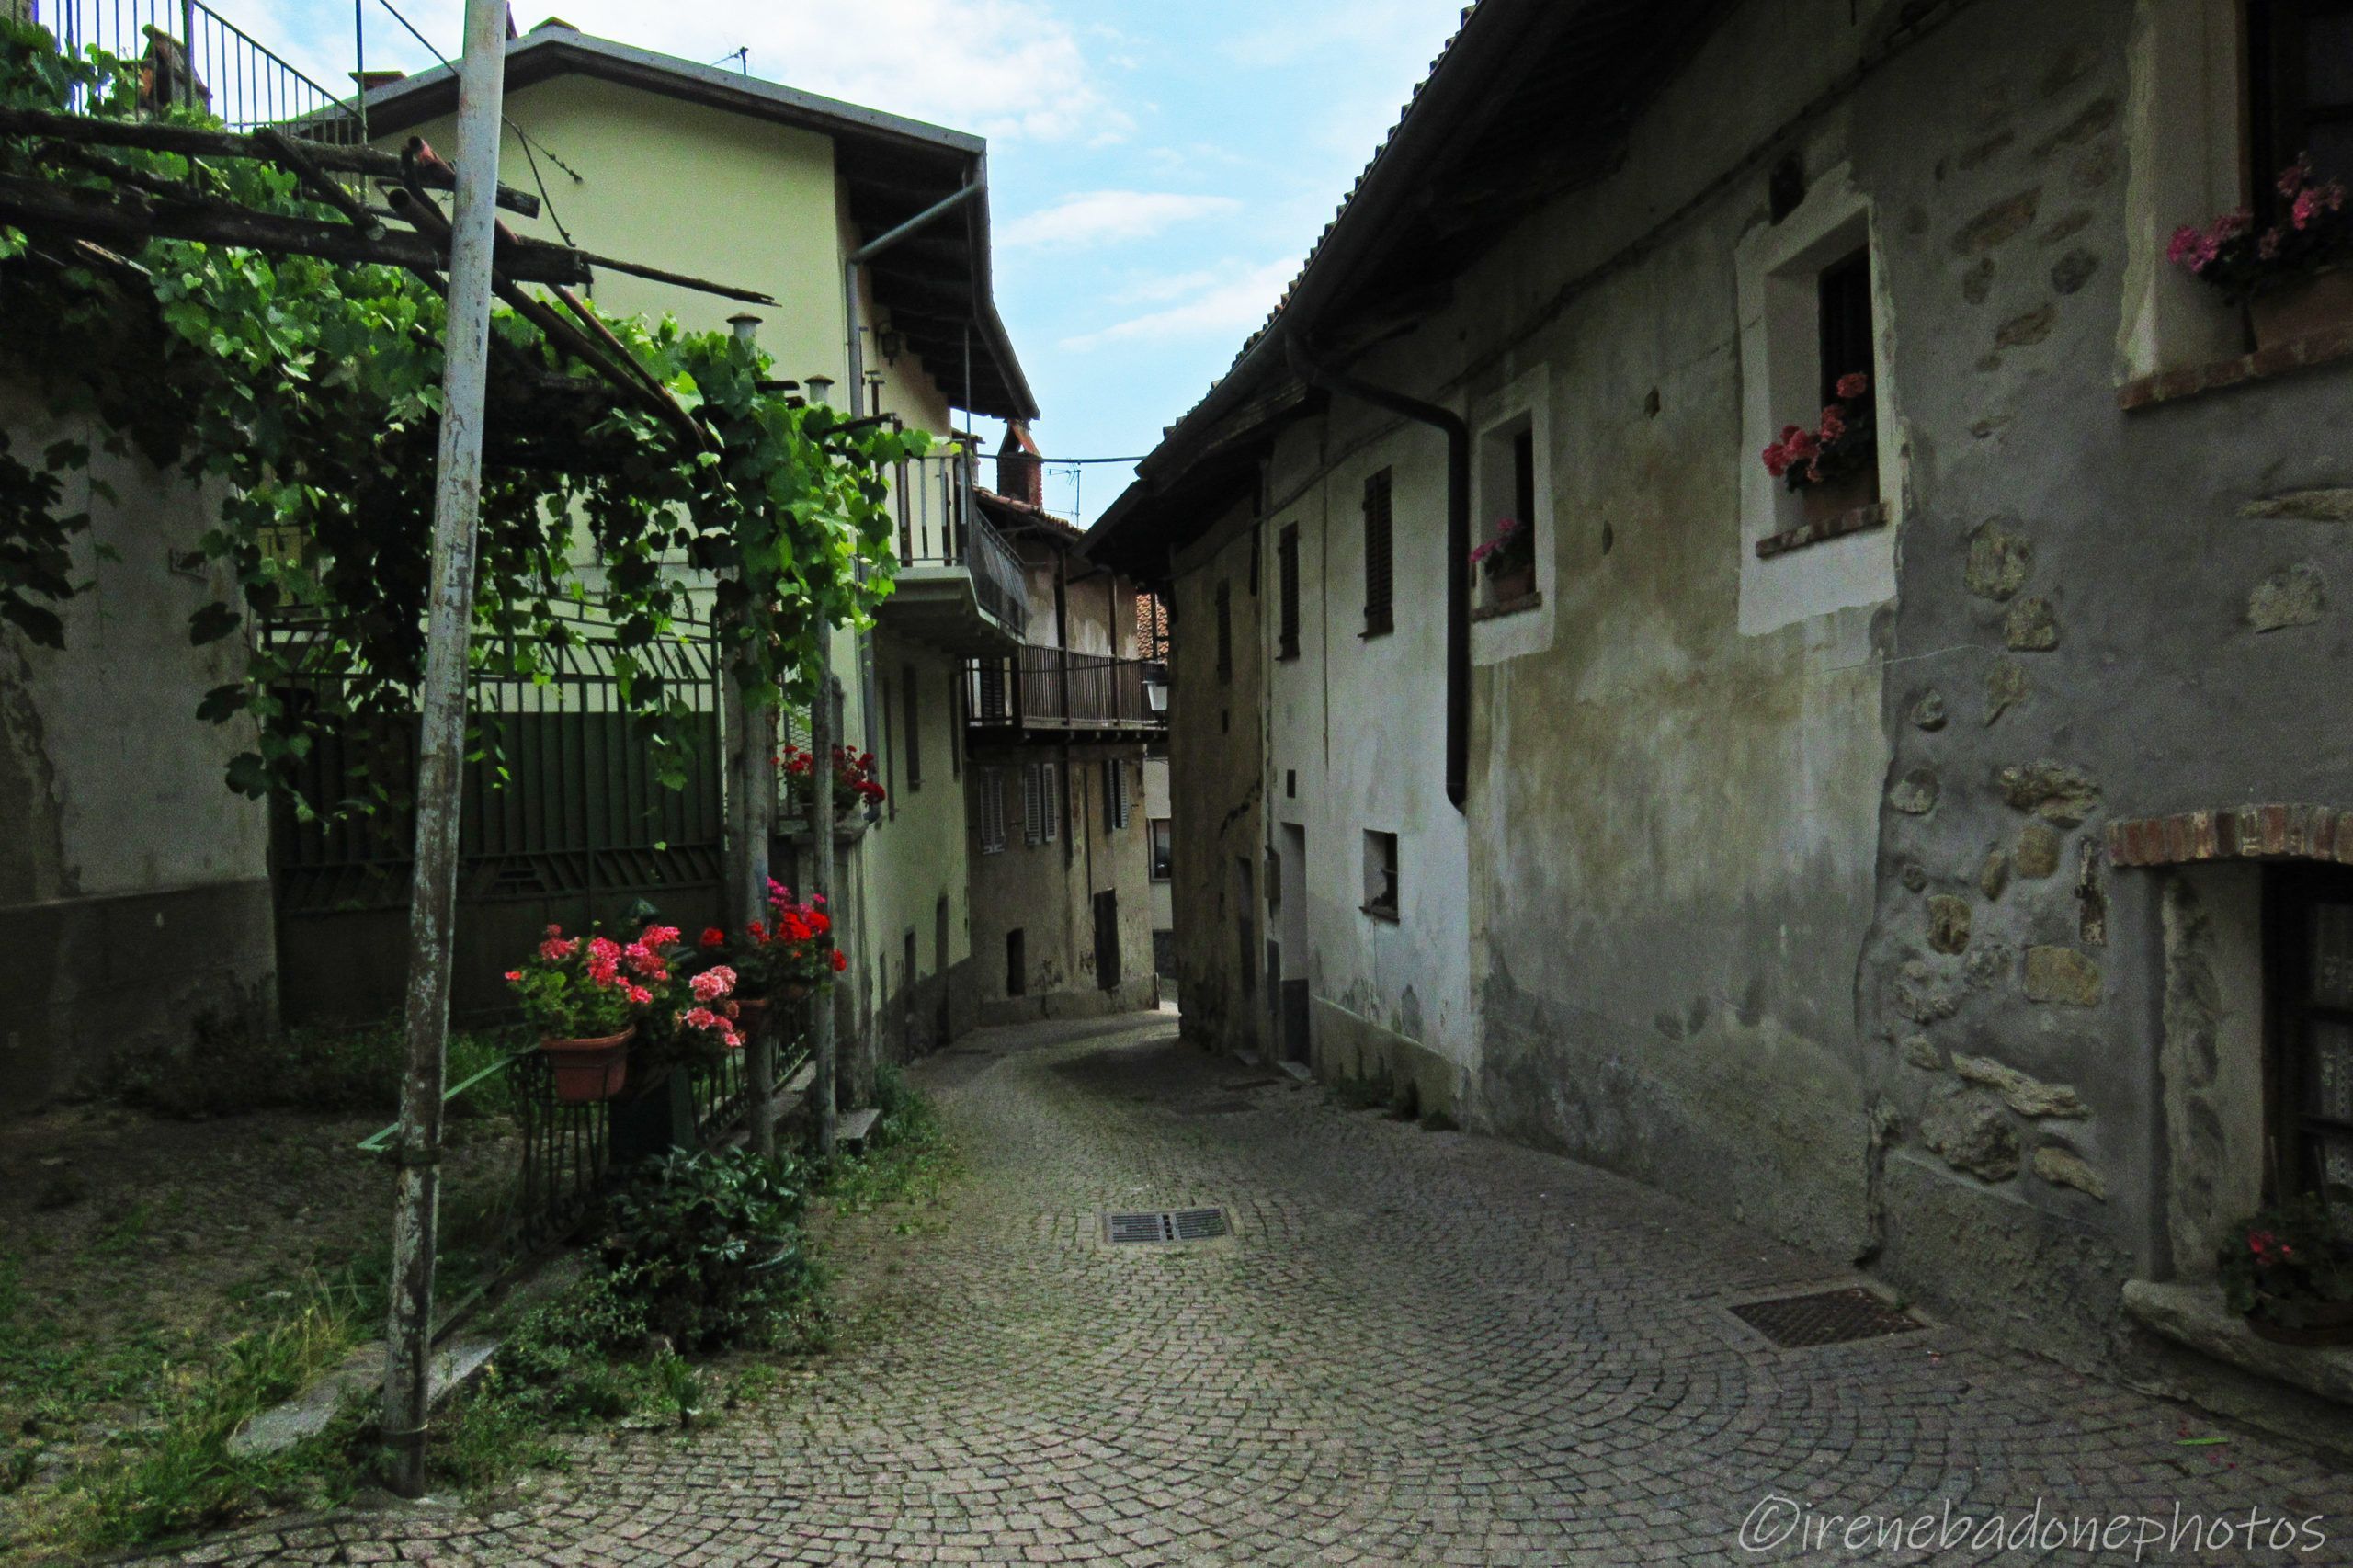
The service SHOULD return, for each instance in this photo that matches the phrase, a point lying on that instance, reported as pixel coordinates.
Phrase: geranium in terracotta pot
(586, 996)
(785, 958)
(2291, 1273)
(1508, 559)
(2294, 278)
(1833, 470)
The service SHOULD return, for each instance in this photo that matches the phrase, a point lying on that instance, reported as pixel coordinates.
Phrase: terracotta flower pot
(1834, 498)
(2332, 1325)
(2323, 302)
(1514, 584)
(588, 1071)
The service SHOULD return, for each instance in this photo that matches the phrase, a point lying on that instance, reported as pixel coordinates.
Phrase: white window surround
(2185, 132)
(1779, 268)
(1528, 397)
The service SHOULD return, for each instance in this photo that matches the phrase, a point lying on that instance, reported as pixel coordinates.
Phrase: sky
(1159, 168)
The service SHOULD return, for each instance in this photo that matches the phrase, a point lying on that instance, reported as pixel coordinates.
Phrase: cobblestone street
(1416, 1346)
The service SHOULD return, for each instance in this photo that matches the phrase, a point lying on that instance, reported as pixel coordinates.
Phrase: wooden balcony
(1046, 693)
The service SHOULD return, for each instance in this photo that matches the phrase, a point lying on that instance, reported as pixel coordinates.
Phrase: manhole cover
(1828, 1317)
(1165, 1225)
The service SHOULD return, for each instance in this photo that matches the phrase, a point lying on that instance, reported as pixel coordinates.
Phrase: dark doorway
(2311, 1026)
(1017, 964)
(1107, 938)
(940, 1019)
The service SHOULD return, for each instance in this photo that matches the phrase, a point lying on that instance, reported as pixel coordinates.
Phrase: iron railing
(940, 526)
(1046, 688)
(190, 56)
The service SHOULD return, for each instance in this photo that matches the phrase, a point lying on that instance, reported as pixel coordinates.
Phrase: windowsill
(1532, 599)
(1379, 913)
(2194, 1315)
(1381, 631)
(1860, 519)
(2263, 365)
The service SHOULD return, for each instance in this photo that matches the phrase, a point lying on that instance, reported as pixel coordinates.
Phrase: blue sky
(1160, 167)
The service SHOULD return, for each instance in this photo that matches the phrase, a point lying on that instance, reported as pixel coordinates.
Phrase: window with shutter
(991, 811)
(1225, 632)
(1050, 798)
(1033, 808)
(908, 692)
(2300, 93)
(1120, 793)
(1380, 570)
(1287, 570)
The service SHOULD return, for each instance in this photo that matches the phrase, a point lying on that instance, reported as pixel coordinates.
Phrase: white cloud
(1004, 69)
(1224, 304)
(1103, 216)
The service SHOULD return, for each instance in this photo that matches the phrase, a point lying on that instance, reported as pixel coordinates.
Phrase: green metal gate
(564, 822)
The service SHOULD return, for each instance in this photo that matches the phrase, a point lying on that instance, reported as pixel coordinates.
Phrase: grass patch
(908, 1160)
(229, 1067)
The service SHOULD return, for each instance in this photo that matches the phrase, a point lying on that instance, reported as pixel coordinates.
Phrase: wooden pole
(820, 880)
(457, 506)
(751, 821)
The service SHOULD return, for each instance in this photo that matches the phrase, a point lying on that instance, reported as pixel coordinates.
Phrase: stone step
(855, 1126)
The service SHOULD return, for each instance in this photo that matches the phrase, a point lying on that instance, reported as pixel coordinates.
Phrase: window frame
(1383, 857)
(1159, 848)
(2280, 114)
(2292, 894)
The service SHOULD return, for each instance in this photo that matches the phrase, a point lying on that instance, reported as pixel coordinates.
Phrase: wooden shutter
(1051, 799)
(1379, 562)
(1225, 632)
(1033, 809)
(1287, 571)
(991, 811)
(910, 695)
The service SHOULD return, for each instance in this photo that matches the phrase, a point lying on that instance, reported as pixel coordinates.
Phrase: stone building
(1061, 905)
(1947, 877)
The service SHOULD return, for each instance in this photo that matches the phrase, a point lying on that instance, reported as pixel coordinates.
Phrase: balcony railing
(228, 71)
(1047, 690)
(939, 527)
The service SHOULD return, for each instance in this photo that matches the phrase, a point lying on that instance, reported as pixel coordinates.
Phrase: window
(1033, 805)
(1507, 493)
(1050, 801)
(1016, 962)
(991, 811)
(883, 735)
(1287, 613)
(1163, 849)
(1380, 561)
(1844, 297)
(914, 722)
(907, 976)
(992, 683)
(2312, 1012)
(1246, 929)
(1381, 875)
(2300, 92)
(1115, 795)
(1225, 631)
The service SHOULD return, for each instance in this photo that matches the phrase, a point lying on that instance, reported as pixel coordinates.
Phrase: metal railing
(190, 56)
(1046, 688)
(940, 526)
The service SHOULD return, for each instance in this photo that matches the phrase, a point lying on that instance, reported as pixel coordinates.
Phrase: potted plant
(586, 996)
(1834, 470)
(2292, 1277)
(693, 1021)
(785, 957)
(2293, 278)
(854, 782)
(1510, 561)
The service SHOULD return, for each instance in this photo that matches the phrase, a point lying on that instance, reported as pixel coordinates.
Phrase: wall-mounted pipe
(1315, 373)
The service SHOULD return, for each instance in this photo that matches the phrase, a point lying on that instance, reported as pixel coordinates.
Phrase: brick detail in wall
(2263, 365)
(2242, 833)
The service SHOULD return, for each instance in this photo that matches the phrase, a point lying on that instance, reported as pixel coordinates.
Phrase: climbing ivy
(306, 395)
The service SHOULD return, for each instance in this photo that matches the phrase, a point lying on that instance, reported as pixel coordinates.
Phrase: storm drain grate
(1830, 1317)
(1166, 1225)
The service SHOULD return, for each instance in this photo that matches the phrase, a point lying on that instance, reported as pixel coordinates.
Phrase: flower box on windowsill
(847, 830)
(1835, 524)
(1532, 599)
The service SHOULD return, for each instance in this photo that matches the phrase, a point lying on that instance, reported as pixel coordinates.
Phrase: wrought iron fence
(1046, 688)
(191, 56)
(939, 525)
(566, 1154)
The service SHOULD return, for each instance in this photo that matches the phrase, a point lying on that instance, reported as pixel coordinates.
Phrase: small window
(991, 811)
(2300, 92)
(1115, 795)
(1033, 804)
(1163, 849)
(2311, 933)
(1225, 632)
(914, 724)
(1380, 560)
(1286, 567)
(1844, 291)
(1505, 557)
(1016, 962)
(1381, 875)
(907, 977)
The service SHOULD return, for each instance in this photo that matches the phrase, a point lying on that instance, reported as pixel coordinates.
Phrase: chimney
(1020, 471)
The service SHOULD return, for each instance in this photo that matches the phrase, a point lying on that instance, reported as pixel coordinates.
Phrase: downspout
(1458, 544)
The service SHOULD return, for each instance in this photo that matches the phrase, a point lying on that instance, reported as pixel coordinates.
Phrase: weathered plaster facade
(1788, 880)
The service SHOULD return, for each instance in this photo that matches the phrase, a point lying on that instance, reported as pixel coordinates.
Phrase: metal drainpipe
(1458, 545)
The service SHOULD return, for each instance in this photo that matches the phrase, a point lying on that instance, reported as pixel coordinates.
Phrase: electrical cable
(530, 148)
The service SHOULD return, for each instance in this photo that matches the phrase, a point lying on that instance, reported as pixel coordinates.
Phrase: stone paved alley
(1417, 1347)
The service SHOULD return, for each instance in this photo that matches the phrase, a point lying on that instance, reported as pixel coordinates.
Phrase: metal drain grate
(1166, 1225)
(1831, 1317)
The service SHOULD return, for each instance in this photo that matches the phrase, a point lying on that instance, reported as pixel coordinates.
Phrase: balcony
(959, 586)
(1045, 694)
